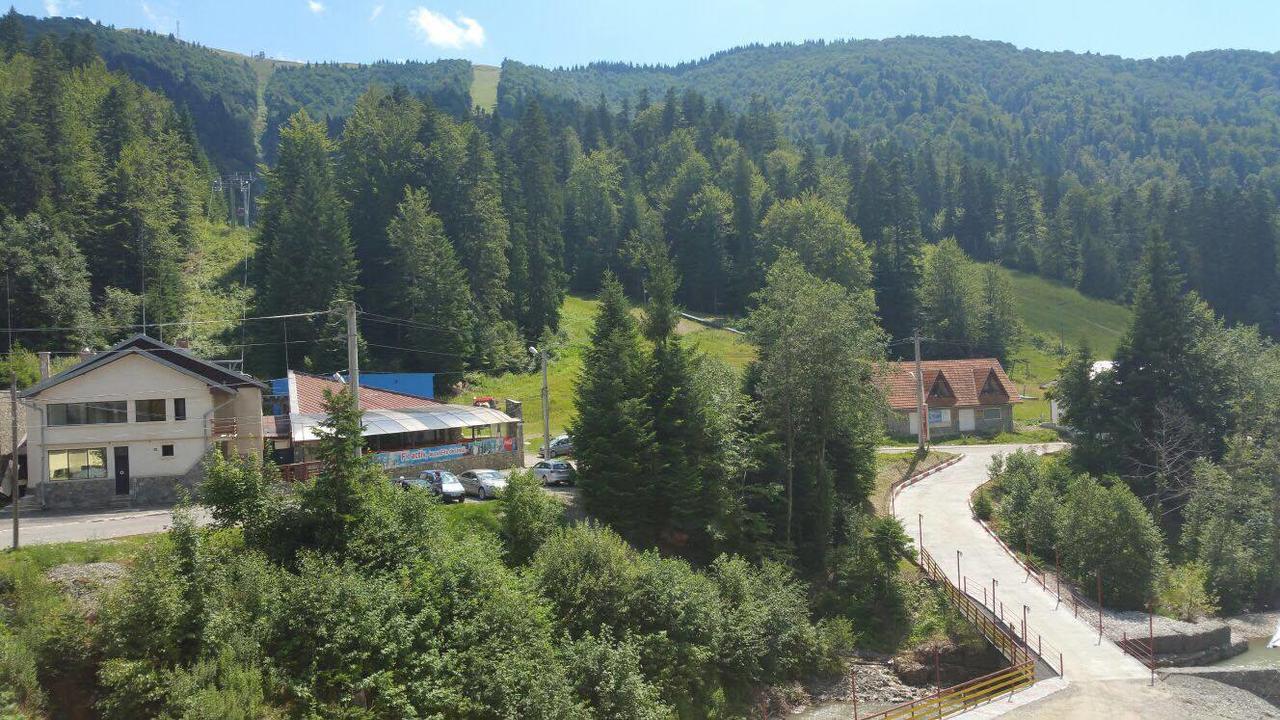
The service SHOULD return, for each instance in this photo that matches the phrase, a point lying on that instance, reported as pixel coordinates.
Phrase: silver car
(555, 472)
(483, 483)
(444, 485)
(560, 445)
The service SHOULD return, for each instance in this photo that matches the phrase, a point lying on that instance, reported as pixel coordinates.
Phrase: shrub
(982, 506)
(1107, 531)
(529, 516)
(1184, 593)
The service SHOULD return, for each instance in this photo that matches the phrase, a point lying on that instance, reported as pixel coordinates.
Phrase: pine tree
(48, 281)
(538, 301)
(307, 262)
(380, 153)
(593, 196)
(482, 238)
(747, 191)
(335, 500)
(12, 36)
(431, 289)
(613, 426)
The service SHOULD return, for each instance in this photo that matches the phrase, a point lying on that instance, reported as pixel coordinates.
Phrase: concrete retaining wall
(1263, 682)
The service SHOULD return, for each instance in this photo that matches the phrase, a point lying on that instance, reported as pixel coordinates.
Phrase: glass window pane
(148, 410)
(96, 463)
(75, 413)
(58, 465)
(179, 408)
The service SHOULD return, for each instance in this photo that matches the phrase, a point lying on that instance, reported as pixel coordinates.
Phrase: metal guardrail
(959, 698)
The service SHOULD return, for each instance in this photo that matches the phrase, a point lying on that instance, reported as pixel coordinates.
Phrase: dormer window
(992, 386)
(940, 388)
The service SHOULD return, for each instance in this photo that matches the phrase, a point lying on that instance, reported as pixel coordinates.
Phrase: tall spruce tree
(306, 259)
(542, 286)
(431, 290)
(999, 329)
(613, 425)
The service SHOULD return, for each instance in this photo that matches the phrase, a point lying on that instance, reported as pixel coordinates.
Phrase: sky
(573, 32)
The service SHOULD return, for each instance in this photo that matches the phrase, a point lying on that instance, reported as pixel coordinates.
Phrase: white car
(483, 483)
(555, 472)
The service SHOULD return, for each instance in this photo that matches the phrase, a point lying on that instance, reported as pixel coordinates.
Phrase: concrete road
(40, 528)
(940, 504)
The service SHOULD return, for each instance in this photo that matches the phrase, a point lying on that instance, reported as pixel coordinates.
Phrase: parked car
(560, 445)
(483, 483)
(555, 472)
(444, 485)
(413, 482)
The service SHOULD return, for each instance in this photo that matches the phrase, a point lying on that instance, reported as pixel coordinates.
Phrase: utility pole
(547, 405)
(922, 412)
(353, 357)
(13, 458)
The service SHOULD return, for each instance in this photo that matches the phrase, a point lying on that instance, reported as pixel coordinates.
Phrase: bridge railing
(958, 698)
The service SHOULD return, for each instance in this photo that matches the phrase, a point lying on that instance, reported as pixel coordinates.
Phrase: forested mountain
(1056, 163)
(1101, 117)
(219, 92)
(104, 194)
(329, 91)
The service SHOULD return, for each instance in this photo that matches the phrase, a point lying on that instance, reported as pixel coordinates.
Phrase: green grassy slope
(1057, 318)
(484, 86)
(562, 372)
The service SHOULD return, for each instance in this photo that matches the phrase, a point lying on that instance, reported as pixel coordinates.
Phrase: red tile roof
(307, 395)
(965, 379)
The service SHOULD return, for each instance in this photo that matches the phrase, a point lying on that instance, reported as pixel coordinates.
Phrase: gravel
(1176, 697)
(84, 582)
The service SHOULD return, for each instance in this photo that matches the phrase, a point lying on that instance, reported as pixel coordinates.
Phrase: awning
(407, 420)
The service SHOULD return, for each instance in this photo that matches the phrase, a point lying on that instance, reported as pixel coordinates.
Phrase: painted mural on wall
(440, 453)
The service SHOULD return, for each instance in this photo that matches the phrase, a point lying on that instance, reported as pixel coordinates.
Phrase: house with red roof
(961, 397)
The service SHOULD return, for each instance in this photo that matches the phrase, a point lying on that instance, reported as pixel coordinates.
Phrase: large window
(79, 464)
(148, 410)
(994, 413)
(179, 408)
(90, 413)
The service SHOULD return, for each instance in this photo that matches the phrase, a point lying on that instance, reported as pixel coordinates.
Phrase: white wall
(129, 378)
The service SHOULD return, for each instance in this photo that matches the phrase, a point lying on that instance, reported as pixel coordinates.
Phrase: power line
(175, 323)
(425, 352)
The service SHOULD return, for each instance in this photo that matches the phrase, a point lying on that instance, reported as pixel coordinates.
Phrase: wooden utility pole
(353, 358)
(922, 412)
(13, 458)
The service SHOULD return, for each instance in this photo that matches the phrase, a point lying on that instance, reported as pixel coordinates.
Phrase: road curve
(939, 504)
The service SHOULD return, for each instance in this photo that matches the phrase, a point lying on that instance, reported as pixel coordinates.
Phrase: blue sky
(567, 32)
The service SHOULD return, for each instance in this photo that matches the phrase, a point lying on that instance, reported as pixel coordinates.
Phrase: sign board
(441, 453)
(940, 417)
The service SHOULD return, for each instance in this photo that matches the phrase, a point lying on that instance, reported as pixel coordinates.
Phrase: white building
(131, 424)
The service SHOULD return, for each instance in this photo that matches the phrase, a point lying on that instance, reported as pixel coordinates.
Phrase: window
(80, 464)
(994, 413)
(179, 408)
(148, 410)
(939, 418)
(94, 413)
(166, 451)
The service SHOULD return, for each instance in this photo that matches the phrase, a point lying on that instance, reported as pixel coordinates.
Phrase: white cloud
(315, 6)
(52, 8)
(377, 10)
(440, 31)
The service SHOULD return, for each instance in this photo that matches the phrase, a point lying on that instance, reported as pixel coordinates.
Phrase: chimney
(44, 364)
(85, 354)
(183, 343)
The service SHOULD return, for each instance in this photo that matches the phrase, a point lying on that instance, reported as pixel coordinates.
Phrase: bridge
(977, 570)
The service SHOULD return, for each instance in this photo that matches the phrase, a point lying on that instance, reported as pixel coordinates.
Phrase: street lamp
(546, 404)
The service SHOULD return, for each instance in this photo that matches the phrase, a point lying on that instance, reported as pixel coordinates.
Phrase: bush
(1184, 594)
(982, 506)
(1107, 531)
(529, 516)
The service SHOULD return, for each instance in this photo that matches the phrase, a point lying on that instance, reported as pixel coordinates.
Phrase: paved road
(40, 528)
(943, 502)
